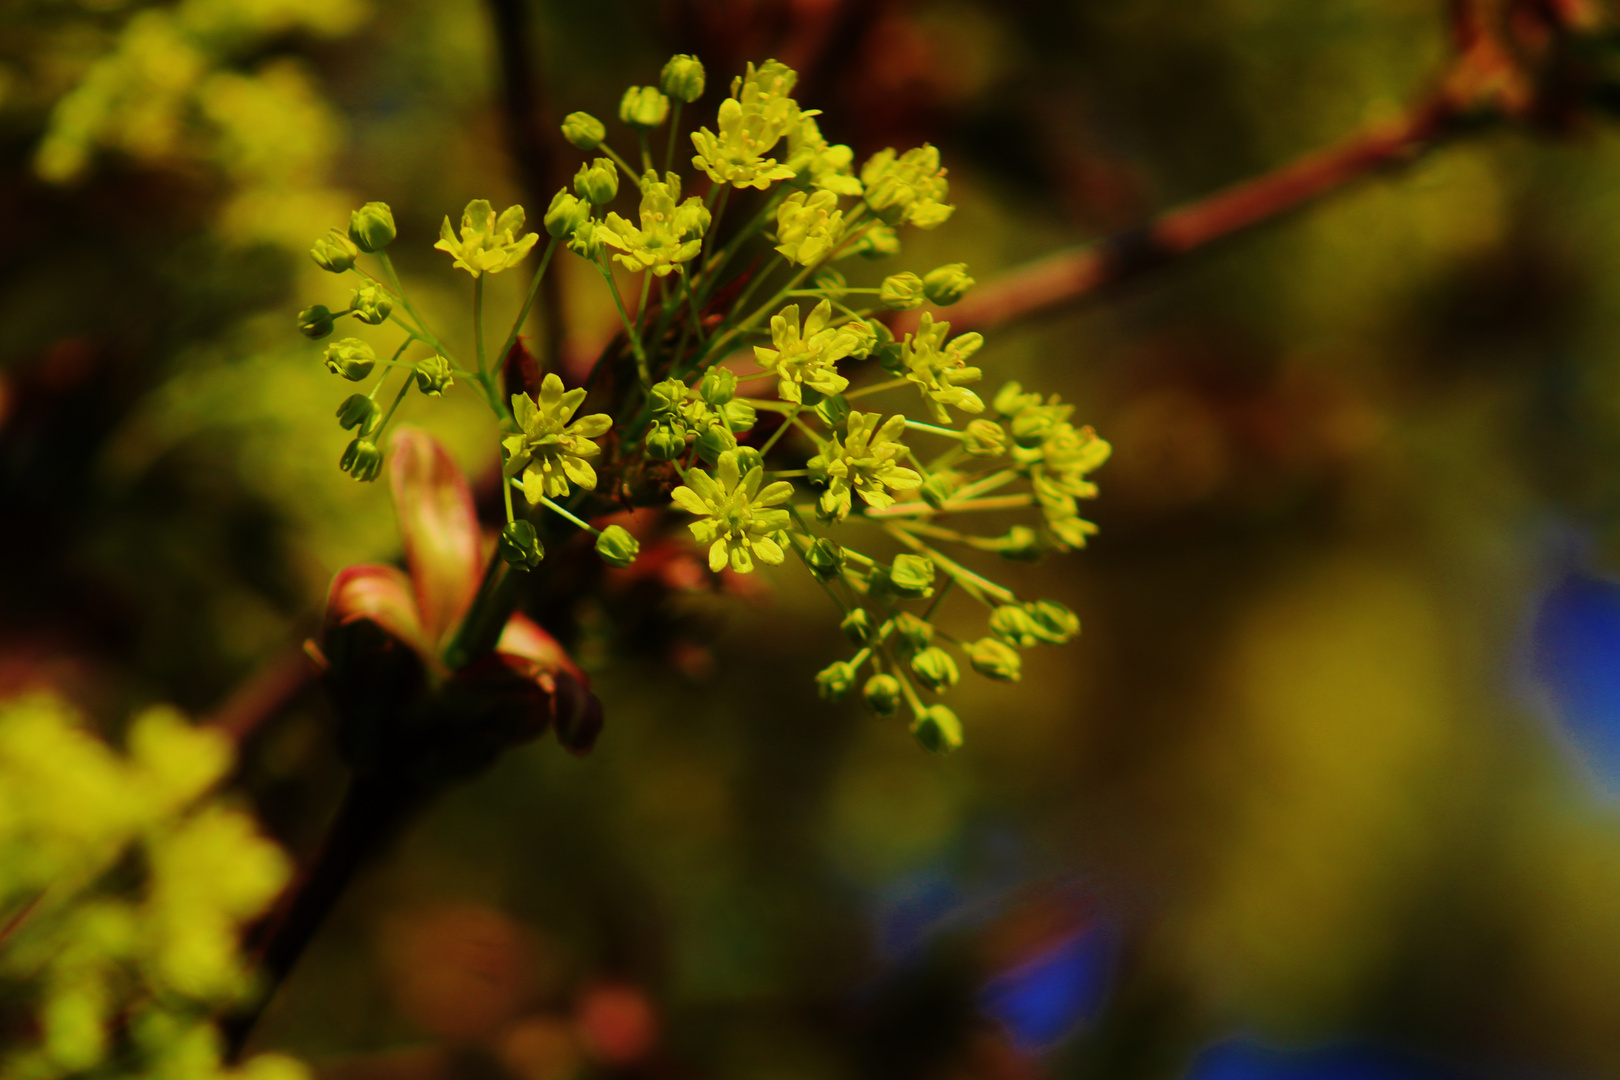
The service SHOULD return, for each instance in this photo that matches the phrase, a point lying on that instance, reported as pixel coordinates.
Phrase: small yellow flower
(550, 452)
(807, 357)
(488, 244)
(735, 518)
(807, 227)
(863, 463)
(813, 160)
(751, 121)
(908, 189)
(939, 370)
(671, 231)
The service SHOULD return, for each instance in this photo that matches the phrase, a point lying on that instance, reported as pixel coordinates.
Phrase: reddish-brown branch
(267, 693)
(1068, 276)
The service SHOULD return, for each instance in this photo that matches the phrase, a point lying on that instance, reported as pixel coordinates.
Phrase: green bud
(857, 626)
(937, 729)
(1055, 624)
(372, 227)
(643, 107)
(835, 680)
(826, 559)
(830, 281)
(1021, 544)
(371, 305)
(350, 358)
(912, 576)
(1011, 399)
(584, 242)
(1031, 426)
(901, 291)
(878, 242)
(748, 459)
(565, 214)
(520, 545)
(947, 284)
(668, 396)
(359, 411)
(315, 322)
(433, 375)
(914, 632)
(362, 460)
(1013, 624)
(334, 252)
(938, 488)
(882, 694)
(682, 78)
(833, 410)
(583, 130)
(665, 442)
(995, 660)
(935, 669)
(617, 547)
(866, 338)
(714, 442)
(984, 438)
(888, 352)
(597, 181)
(718, 386)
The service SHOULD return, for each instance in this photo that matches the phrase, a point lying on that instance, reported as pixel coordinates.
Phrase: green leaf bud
(371, 305)
(833, 410)
(1055, 624)
(350, 358)
(912, 576)
(583, 130)
(938, 488)
(315, 322)
(913, 631)
(362, 460)
(565, 214)
(857, 626)
(718, 386)
(597, 181)
(361, 412)
(901, 291)
(617, 547)
(749, 459)
(984, 438)
(1013, 624)
(995, 660)
(937, 729)
(334, 253)
(835, 680)
(826, 559)
(520, 545)
(665, 442)
(372, 227)
(882, 694)
(683, 78)
(716, 441)
(878, 242)
(433, 375)
(935, 669)
(947, 284)
(643, 107)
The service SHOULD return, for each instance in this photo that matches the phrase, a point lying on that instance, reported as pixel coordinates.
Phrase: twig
(265, 694)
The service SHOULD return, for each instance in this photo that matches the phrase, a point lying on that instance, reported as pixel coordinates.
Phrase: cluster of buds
(760, 399)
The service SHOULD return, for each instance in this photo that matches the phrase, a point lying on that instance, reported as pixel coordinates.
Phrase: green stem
(918, 425)
(674, 128)
(528, 303)
(497, 598)
(877, 388)
(791, 417)
(399, 397)
(561, 512)
(624, 167)
(624, 317)
(478, 323)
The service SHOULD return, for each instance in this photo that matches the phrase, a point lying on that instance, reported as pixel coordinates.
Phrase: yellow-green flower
(751, 121)
(735, 518)
(908, 189)
(807, 357)
(863, 463)
(550, 452)
(671, 231)
(939, 370)
(488, 244)
(814, 161)
(807, 227)
(1056, 456)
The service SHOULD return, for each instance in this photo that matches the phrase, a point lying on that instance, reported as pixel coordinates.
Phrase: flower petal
(440, 527)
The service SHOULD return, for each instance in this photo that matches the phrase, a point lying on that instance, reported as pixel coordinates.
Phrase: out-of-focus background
(1327, 788)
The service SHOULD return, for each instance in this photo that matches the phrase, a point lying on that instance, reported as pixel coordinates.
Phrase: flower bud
(362, 460)
(433, 375)
(912, 576)
(682, 78)
(938, 489)
(372, 227)
(937, 729)
(748, 459)
(1021, 544)
(995, 660)
(715, 441)
(826, 559)
(947, 284)
(878, 242)
(830, 281)
(865, 335)
(315, 322)
(935, 669)
(361, 412)
(1012, 624)
(350, 358)
(882, 694)
(334, 252)
(1054, 623)
(565, 214)
(914, 632)
(584, 242)
(984, 438)
(1011, 399)
(371, 305)
(643, 107)
(597, 181)
(857, 626)
(835, 680)
(665, 442)
(901, 291)
(718, 387)
(583, 130)
(520, 545)
(832, 409)
(668, 396)
(617, 547)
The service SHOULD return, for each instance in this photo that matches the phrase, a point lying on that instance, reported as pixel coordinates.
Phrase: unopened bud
(995, 660)
(665, 442)
(372, 227)
(833, 410)
(315, 322)
(682, 78)
(937, 729)
(835, 680)
(882, 694)
(334, 252)
(935, 669)
(565, 214)
(350, 358)
(433, 375)
(643, 107)
(716, 441)
(597, 181)
(748, 459)
(371, 305)
(1021, 544)
(937, 489)
(583, 130)
(865, 335)
(857, 626)
(617, 547)
(584, 242)
(362, 460)
(1055, 624)
(1012, 624)
(878, 242)
(947, 284)
(912, 576)
(1011, 399)
(360, 412)
(901, 291)
(520, 545)
(915, 633)
(984, 438)
(718, 386)
(826, 559)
